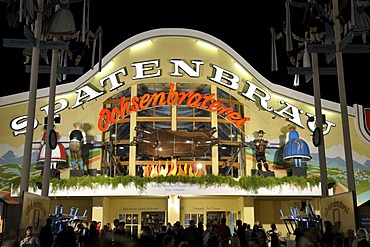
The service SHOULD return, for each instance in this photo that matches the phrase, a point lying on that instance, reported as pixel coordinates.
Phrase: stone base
(76, 173)
(256, 172)
(297, 171)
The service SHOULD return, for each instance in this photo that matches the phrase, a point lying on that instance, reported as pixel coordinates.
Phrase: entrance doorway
(151, 217)
(196, 217)
(215, 216)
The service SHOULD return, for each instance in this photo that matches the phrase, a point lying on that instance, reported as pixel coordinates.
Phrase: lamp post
(343, 107)
(50, 123)
(319, 124)
(339, 47)
(26, 168)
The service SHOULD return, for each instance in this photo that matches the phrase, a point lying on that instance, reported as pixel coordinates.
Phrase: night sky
(244, 27)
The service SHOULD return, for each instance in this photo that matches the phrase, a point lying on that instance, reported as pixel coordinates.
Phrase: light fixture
(330, 189)
(39, 185)
(141, 44)
(330, 185)
(207, 45)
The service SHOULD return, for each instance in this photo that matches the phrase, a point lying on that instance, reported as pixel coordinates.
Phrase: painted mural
(177, 57)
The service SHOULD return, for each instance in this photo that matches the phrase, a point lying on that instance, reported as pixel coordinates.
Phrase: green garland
(249, 183)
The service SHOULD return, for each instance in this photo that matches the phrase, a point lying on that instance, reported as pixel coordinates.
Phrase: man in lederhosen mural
(77, 137)
(260, 144)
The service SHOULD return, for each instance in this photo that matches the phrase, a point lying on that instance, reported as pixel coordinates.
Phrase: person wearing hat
(260, 145)
(58, 154)
(77, 137)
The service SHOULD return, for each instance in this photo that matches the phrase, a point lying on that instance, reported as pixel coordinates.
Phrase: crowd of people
(213, 234)
(330, 236)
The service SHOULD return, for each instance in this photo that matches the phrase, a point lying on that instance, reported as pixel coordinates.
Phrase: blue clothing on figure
(296, 150)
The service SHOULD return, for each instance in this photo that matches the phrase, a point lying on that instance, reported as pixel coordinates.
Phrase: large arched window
(182, 118)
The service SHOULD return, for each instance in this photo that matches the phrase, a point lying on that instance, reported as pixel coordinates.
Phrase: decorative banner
(364, 220)
(192, 99)
(35, 211)
(339, 209)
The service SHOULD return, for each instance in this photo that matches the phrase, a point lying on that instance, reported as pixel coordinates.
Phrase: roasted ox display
(168, 143)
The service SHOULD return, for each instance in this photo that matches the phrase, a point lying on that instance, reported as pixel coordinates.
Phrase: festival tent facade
(182, 80)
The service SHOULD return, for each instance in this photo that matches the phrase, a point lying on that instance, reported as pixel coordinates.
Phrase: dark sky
(245, 28)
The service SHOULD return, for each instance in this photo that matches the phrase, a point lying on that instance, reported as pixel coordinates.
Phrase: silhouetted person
(29, 239)
(274, 234)
(92, 236)
(168, 241)
(260, 234)
(46, 234)
(350, 237)
(66, 237)
(240, 232)
(146, 237)
(190, 234)
(363, 238)
(223, 229)
(328, 236)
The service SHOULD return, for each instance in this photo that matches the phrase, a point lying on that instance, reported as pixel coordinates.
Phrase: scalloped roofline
(173, 32)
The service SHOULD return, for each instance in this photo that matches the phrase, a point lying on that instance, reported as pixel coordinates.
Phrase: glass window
(162, 111)
(222, 94)
(150, 217)
(123, 131)
(131, 223)
(196, 217)
(146, 125)
(184, 111)
(187, 126)
(160, 117)
(126, 93)
(224, 131)
(122, 151)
